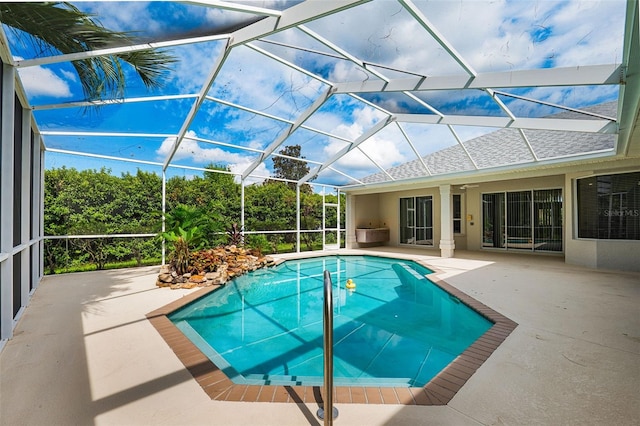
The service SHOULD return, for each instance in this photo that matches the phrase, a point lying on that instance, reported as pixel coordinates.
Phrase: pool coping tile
(439, 391)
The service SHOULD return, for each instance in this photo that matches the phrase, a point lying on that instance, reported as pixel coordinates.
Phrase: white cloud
(193, 65)
(429, 138)
(190, 150)
(253, 80)
(490, 35)
(240, 167)
(40, 81)
(383, 148)
(69, 75)
(123, 16)
(525, 35)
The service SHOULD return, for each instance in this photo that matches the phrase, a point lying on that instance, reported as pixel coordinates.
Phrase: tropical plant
(234, 235)
(186, 227)
(182, 242)
(186, 217)
(60, 27)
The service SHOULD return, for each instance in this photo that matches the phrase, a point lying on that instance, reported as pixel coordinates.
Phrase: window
(609, 207)
(416, 220)
(457, 213)
(523, 220)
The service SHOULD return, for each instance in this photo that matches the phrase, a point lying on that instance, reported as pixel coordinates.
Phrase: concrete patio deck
(84, 353)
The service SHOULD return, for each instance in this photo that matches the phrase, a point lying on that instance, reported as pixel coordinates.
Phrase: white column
(350, 225)
(164, 214)
(447, 244)
(41, 203)
(6, 201)
(298, 218)
(25, 210)
(338, 218)
(36, 206)
(324, 216)
(242, 228)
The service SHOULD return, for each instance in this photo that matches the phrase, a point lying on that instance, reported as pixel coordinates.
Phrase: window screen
(457, 213)
(609, 207)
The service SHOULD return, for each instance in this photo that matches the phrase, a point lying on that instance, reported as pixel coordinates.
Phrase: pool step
(282, 380)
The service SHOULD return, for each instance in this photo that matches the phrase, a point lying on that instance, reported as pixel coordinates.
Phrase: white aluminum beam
(295, 15)
(287, 132)
(366, 65)
(275, 117)
(227, 145)
(371, 104)
(25, 207)
(247, 109)
(196, 105)
(235, 7)
(464, 148)
(589, 75)
(5, 52)
(200, 169)
(545, 77)
(297, 218)
(164, 215)
(7, 117)
(108, 134)
(287, 63)
(345, 54)
(566, 108)
(567, 125)
(91, 236)
(375, 163)
(82, 104)
(363, 137)
(413, 148)
(501, 104)
(442, 41)
(24, 63)
(526, 140)
(104, 157)
(301, 48)
(303, 160)
(351, 178)
(36, 207)
(423, 103)
(629, 106)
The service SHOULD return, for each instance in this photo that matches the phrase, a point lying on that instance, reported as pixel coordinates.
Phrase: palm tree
(59, 27)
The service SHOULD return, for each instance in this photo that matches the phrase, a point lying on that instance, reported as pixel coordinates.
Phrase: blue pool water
(395, 329)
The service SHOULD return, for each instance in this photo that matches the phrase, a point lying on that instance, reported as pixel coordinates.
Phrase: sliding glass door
(416, 220)
(523, 220)
(493, 220)
(519, 230)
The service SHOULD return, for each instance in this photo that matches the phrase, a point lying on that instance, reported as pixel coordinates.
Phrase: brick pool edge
(439, 391)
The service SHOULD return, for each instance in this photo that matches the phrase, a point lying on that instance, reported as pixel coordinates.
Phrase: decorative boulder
(213, 267)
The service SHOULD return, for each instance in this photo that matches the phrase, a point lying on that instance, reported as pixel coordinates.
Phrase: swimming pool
(395, 329)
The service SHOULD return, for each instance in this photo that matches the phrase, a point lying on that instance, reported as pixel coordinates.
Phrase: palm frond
(60, 27)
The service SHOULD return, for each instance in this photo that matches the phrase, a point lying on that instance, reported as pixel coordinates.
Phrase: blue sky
(491, 36)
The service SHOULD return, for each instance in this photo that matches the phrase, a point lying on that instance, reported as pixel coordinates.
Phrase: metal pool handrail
(328, 412)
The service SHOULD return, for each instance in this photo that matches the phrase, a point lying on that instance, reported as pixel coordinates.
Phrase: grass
(85, 267)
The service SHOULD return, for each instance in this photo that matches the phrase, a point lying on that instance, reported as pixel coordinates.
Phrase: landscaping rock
(213, 267)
